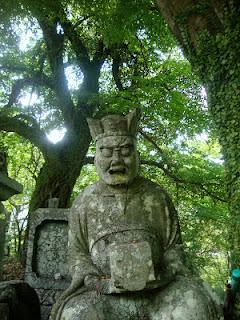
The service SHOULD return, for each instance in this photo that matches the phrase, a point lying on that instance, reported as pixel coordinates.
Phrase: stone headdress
(115, 125)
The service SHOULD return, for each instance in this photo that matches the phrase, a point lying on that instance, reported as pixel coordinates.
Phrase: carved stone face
(117, 160)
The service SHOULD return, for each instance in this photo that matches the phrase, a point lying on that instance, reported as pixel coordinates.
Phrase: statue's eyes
(106, 152)
(123, 151)
(126, 150)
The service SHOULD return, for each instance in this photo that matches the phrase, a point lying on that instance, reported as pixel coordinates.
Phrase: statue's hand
(76, 284)
(92, 282)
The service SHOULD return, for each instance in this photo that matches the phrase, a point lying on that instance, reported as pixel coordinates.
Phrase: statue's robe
(143, 211)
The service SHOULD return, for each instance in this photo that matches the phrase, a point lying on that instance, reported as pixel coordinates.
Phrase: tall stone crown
(115, 125)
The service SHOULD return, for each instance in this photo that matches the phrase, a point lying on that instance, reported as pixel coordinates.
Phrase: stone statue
(125, 250)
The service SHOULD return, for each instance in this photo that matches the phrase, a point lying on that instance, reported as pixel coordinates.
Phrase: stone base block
(4, 311)
(18, 301)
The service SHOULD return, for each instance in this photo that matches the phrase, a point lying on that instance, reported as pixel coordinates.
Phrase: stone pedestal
(18, 301)
(4, 311)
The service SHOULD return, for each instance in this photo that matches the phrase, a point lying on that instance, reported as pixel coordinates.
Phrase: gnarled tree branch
(156, 146)
(27, 127)
(55, 43)
(182, 181)
(37, 80)
(77, 44)
(175, 178)
(116, 72)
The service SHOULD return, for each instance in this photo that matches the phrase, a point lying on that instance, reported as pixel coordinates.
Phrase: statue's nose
(116, 156)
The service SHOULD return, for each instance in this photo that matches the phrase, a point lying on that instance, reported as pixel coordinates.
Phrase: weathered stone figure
(126, 259)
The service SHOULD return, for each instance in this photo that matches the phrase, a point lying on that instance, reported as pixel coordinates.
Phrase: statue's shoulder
(86, 194)
(149, 184)
(149, 187)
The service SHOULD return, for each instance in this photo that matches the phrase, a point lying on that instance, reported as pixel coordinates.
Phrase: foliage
(80, 59)
(72, 50)
(224, 107)
(209, 34)
(24, 162)
(196, 184)
(13, 270)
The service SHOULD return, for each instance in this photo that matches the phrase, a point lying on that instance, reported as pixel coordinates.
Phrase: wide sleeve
(172, 227)
(80, 262)
(174, 255)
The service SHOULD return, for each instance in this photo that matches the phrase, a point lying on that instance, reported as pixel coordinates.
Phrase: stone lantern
(17, 299)
(8, 187)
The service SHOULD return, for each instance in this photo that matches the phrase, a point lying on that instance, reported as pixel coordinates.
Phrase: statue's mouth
(117, 170)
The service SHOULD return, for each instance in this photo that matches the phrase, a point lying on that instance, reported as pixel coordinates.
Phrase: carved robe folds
(129, 239)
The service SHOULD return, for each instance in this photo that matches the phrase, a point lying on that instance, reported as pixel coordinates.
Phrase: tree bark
(3, 224)
(209, 33)
(62, 167)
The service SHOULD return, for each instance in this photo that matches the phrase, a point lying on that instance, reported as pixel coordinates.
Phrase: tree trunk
(209, 32)
(55, 180)
(3, 224)
(60, 171)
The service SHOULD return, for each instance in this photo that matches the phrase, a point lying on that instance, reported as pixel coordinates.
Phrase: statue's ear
(133, 119)
(95, 127)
